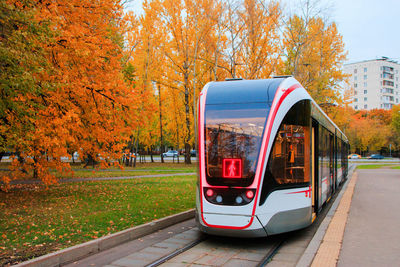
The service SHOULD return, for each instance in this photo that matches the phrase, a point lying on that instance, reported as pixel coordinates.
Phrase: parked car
(376, 156)
(171, 153)
(354, 156)
(193, 153)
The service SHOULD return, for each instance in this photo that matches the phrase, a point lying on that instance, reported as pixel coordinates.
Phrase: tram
(269, 157)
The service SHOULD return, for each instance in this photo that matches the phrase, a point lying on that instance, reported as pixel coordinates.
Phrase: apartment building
(375, 83)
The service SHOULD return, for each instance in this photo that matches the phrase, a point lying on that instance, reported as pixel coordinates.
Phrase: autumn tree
(88, 105)
(314, 53)
(260, 52)
(22, 61)
(187, 25)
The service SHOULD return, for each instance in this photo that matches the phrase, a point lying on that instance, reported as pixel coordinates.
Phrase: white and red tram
(269, 157)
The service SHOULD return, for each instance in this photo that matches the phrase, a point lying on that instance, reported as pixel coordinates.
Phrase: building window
(365, 106)
(365, 99)
(365, 77)
(397, 100)
(365, 92)
(387, 75)
(355, 107)
(355, 99)
(355, 78)
(355, 70)
(387, 90)
(388, 83)
(365, 84)
(355, 85)
(388, 69)
(365, 69)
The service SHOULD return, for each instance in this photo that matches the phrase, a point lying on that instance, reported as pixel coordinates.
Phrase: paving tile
(298, 243)
(251, 256)
(157, 250)
(149, 257)
(181, 242)
(188, 236)
(240, 263)
(187, 257)
(173, 264)
(276, 263)
(292, 249)
(289, 257)
(167, 245)
(125, 262)
(212, 260)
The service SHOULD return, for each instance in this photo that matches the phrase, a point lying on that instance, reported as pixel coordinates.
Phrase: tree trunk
(151, 154)
(161, 130)
(187, 138)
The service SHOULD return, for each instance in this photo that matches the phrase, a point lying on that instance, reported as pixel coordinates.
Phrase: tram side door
(314, 169)
(331, 163)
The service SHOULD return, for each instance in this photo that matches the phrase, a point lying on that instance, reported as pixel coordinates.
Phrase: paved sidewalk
(365, 228)
(372, 235)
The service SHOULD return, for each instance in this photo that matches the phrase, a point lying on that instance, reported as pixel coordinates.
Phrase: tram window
(233, 134)
(289, 161)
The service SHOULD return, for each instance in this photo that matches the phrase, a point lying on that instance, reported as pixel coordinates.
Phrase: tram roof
(242, 91)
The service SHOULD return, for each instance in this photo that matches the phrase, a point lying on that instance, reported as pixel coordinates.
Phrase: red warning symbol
(232, 168)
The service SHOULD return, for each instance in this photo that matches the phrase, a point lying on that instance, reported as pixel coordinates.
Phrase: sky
(370, 28)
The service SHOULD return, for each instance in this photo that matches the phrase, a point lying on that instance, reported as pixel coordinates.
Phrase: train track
(175, 253)
(183, 244)
(266, 248)
(208, 245)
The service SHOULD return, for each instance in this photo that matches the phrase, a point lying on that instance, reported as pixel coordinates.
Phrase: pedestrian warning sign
(232, 168)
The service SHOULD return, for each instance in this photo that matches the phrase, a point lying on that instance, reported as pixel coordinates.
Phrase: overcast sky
(370, 28)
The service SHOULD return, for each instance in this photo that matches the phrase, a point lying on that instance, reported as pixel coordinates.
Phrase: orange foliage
(86, 104)
(314, 55)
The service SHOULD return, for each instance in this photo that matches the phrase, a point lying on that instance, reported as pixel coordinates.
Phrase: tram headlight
(210, 192)
(249, 194)
(239, 200)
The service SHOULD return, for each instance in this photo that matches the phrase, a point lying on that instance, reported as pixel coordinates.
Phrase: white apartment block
(375, 83)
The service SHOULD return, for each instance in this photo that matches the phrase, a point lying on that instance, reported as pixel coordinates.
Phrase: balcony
(387, 83)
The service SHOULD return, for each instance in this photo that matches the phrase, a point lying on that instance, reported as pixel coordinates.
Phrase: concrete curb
(315, 242)
(94, 246)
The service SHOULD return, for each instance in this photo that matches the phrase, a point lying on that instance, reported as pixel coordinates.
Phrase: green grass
(372, 166)
(396, 167)
(141, 169)
(35, 221)
(117, 173)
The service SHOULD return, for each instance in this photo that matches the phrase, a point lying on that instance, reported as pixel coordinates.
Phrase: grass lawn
(395, 167)
(35, 221)
(141, 169)
(374, 166)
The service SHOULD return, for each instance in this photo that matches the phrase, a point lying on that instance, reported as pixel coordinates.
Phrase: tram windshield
(232, 142)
